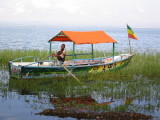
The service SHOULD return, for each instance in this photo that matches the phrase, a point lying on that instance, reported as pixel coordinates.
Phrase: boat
(36, 68)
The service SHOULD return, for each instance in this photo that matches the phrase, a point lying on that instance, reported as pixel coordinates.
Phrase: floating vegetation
(94, 115)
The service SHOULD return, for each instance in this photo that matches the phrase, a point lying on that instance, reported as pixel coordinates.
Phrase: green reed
(8, 55)
(138, 89)
(142, 64)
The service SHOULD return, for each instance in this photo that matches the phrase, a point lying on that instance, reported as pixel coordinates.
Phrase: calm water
(20, 99)
(37, 38)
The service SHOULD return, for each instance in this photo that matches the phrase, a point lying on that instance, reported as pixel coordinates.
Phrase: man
(61, 54)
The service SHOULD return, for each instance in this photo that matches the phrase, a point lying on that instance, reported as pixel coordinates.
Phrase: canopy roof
(92, 37)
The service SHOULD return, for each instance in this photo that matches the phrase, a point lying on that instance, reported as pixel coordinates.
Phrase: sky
(79, 13)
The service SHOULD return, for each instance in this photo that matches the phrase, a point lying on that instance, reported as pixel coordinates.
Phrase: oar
(68, 71)
(44, 58)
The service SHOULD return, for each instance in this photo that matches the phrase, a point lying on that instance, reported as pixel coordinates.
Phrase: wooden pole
(44, 58)
(130, 52)
(68, 71)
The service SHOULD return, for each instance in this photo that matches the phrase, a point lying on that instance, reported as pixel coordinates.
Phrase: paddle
(68, 70)
(44, 58)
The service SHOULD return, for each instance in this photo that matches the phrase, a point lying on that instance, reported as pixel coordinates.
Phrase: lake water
(21, 99)
(37, 38)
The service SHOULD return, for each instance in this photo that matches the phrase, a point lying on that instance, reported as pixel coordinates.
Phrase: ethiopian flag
(131, 34)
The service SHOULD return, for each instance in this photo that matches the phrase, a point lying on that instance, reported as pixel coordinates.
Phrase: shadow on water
(127, 98)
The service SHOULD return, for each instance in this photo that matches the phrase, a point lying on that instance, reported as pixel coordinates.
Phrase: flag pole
(130, 52)
(129, 41)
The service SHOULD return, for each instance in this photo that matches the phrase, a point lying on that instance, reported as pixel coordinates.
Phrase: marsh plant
(133, 95)
(142, 64)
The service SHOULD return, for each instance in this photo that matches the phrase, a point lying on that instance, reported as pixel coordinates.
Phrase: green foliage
(144, 64)
(8, 55)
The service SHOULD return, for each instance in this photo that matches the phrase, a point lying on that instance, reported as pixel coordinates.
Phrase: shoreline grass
(142, 64)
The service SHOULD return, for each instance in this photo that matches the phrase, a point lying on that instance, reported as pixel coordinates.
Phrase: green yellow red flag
(131, 34)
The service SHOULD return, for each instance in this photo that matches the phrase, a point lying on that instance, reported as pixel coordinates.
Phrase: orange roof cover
(92, 37)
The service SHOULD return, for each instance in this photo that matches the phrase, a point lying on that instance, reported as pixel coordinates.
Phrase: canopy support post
(92, 51)
(73, 56)
(50, 49)
(113, 51)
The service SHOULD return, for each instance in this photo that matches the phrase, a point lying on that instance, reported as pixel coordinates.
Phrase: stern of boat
(14, 71)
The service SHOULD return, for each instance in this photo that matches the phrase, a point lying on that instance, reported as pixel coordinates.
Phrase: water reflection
(34, 96)
(83, 103)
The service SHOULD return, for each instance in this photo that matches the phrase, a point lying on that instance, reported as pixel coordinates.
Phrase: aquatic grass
(69, 87)
(142, 64)
(8, 55)
(145, 65)
(139, 90)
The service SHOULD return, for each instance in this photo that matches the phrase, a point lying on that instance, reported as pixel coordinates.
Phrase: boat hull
(52, 71)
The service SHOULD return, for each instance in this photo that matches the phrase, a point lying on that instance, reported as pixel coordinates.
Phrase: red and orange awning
(92, 37)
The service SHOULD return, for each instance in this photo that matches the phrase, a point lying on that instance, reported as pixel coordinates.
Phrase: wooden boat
(21, 68)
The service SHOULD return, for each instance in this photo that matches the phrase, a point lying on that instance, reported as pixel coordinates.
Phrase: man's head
(62, 46)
